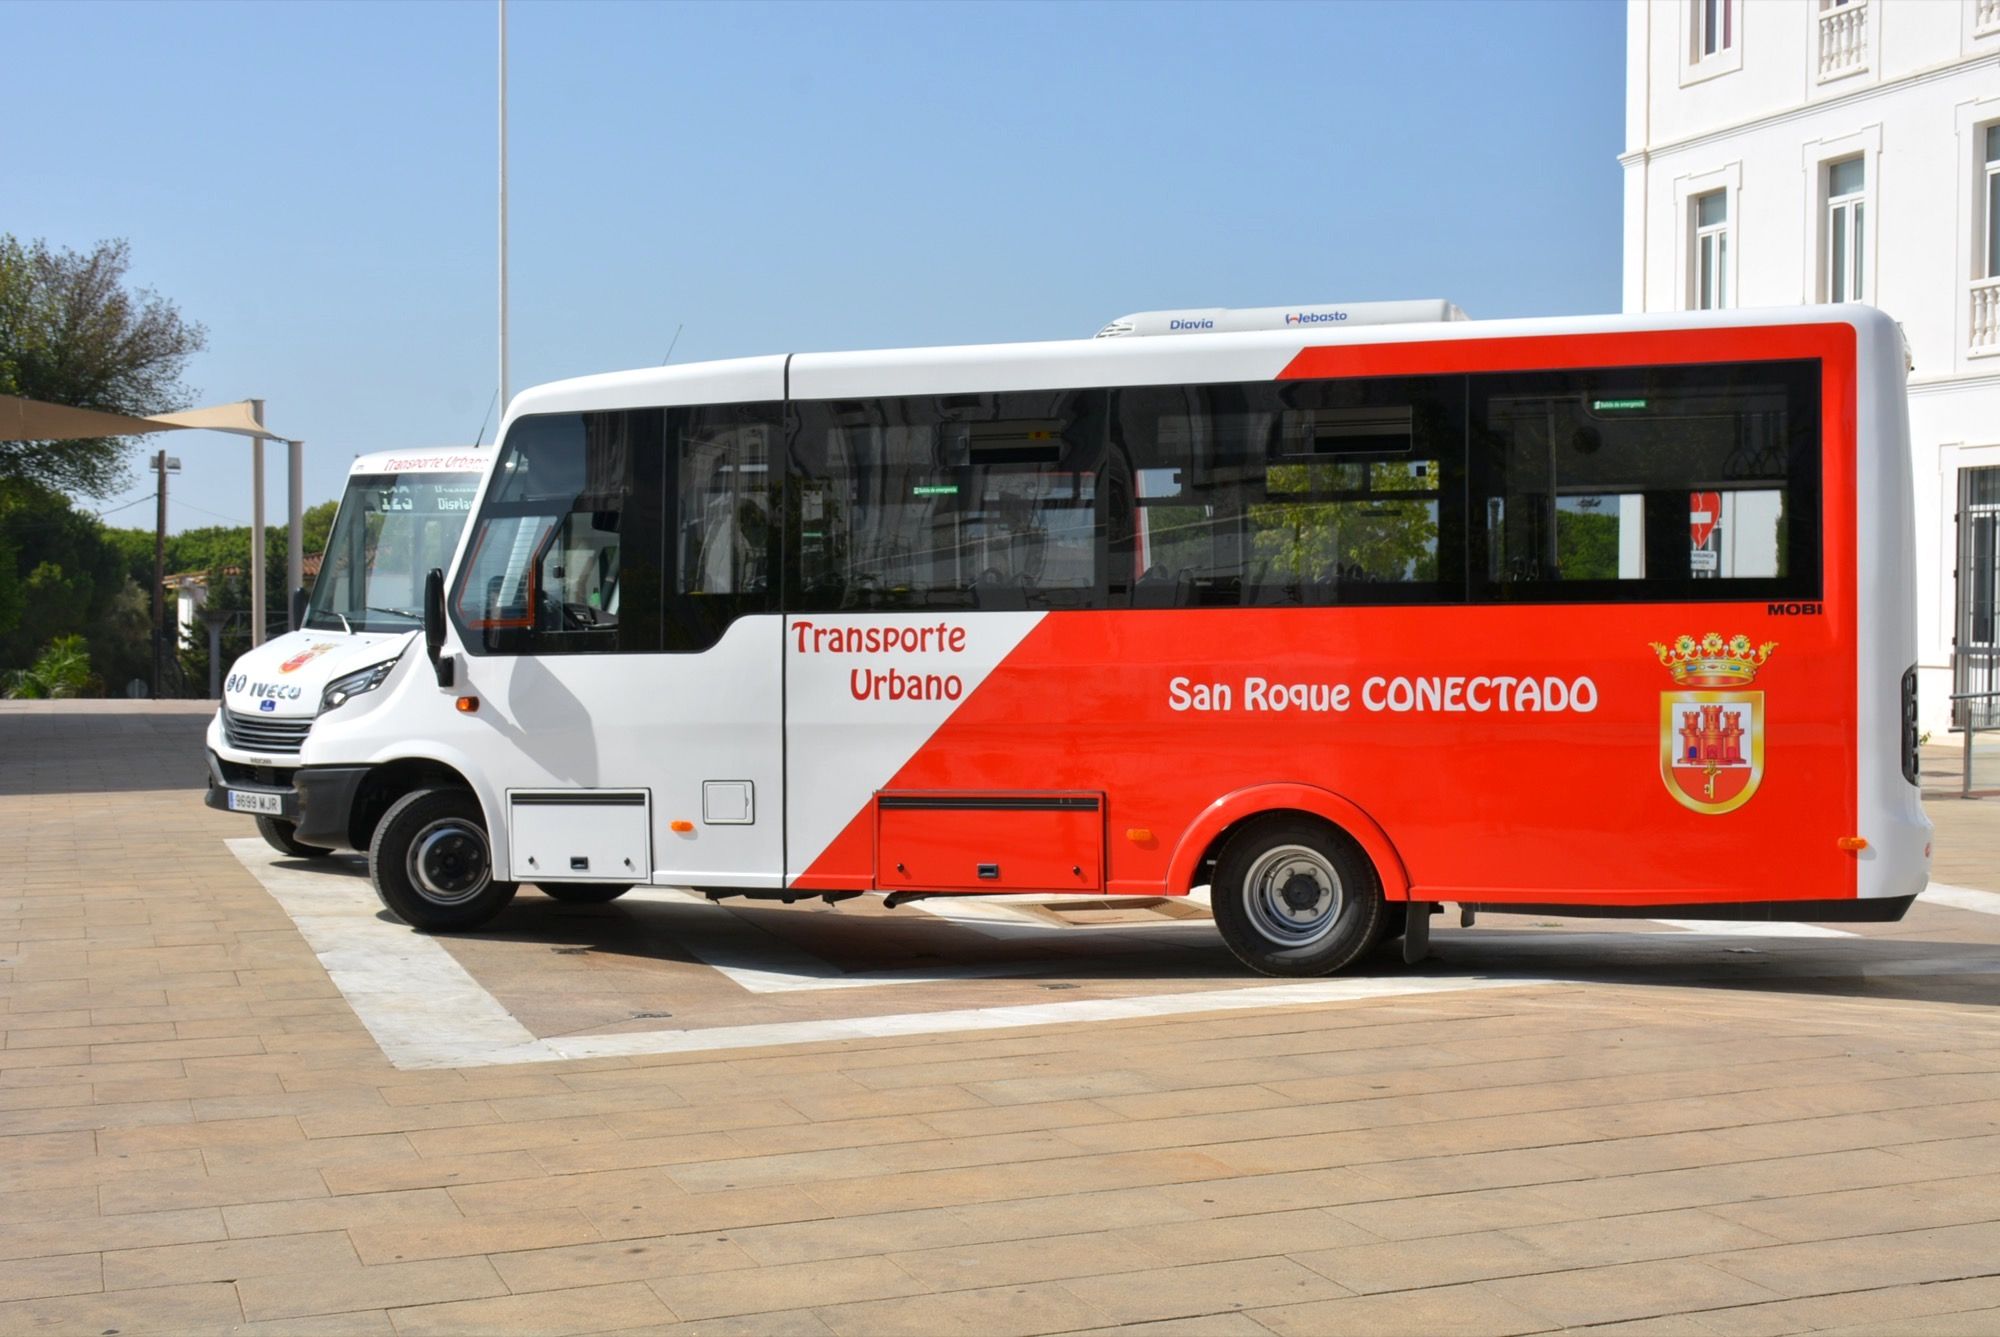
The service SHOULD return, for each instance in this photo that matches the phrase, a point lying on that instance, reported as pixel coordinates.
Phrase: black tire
(582, 893)
(1295, 896)
(432, 865)
(283, 837)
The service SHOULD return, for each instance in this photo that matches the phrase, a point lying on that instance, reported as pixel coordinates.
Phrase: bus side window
(722, 544)
(972, 501)
(1693, 482)
(1294, 493)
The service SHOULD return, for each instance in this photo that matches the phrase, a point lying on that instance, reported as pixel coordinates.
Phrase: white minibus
(1344, 618)
(400, 516)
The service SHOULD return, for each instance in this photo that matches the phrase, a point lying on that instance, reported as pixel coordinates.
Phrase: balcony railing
(1985, 17)
(1986, 315)
(1843, 39)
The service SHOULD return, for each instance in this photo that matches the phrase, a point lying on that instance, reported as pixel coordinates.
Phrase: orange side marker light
(468, 705)
(1138, 834)
(680, 824)
(1853, 844)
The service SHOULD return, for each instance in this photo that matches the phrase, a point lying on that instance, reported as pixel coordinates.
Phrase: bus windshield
(392, 529)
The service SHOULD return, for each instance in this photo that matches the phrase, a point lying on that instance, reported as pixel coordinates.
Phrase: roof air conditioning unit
(1227, 320)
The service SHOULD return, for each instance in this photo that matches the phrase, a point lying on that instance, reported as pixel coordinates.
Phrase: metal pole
(159, 570)
(1965, 721)
(257, 527)
(295, 558)
(503, 207)
(214, 659)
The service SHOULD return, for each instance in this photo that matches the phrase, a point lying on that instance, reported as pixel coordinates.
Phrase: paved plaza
(236, 1097)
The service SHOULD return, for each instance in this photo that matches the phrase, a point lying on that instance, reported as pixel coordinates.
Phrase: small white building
(1786, 151)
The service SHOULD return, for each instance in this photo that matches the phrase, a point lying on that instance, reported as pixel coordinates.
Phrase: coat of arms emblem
(1711, 732)
(304, 657)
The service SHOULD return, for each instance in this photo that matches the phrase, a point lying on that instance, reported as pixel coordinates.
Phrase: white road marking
(1299, 994)
(411, 994)
(1755, 928)
(1961, 898)
(426, 1011)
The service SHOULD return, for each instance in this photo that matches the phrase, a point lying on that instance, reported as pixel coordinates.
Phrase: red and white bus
(1342, 620)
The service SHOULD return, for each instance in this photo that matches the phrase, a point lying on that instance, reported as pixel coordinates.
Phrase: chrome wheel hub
(1293, 895)
(449, 862)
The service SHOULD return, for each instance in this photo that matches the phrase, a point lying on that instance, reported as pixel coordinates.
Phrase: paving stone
(1439, 1311)
(66, 1274)
(466, 1236)
(386, 1286)
(1000, 1311)
(1203, 1288)
(577, 1309)
(783, 1286)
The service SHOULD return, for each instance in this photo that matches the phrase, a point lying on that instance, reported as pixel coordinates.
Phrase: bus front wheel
(582, 893)
(1294, 896)
(432, 864)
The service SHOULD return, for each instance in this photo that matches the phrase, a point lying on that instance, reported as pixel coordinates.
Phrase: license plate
(240, 801)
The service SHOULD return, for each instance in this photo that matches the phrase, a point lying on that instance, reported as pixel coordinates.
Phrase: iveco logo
(1314, 317)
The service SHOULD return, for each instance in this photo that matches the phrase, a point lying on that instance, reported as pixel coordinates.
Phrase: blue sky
(315, 182)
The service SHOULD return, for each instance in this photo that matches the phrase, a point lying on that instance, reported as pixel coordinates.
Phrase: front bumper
(318, 801)
(224, 776)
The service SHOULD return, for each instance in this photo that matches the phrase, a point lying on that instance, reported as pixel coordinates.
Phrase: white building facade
(1788, 151)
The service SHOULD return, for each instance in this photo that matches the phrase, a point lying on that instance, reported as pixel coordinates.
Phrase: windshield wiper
(399, 612)
(330, 612)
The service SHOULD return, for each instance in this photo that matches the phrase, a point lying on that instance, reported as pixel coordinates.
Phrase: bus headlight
(354, 684)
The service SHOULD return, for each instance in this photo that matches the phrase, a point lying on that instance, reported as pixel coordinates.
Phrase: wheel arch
(1204, 837)
(390, 778)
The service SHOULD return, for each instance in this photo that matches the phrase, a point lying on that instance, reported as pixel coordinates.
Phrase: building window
(1976, 659)
(1711, 250)
(1714, 27)
(1990, 193)
(1984, 288)
(1846, 206)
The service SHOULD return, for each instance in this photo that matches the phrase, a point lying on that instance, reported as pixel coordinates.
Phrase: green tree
(1587, 544)
(61, 671)
(58, 571)
(1382, 533)
(72, 332)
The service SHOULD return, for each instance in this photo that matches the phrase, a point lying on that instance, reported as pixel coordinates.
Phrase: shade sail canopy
(33, 420)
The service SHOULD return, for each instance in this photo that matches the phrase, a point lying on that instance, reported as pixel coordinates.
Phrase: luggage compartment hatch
(957, 841)
(580, 835)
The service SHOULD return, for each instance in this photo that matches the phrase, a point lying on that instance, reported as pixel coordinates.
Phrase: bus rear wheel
(582, 893)
(432, 864)
(1295, 896)
(283, 837)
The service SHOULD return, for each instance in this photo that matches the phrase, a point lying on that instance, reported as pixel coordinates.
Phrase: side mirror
(434, 627)
(298, 607)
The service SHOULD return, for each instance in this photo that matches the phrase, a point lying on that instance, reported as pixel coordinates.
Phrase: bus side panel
(1509, 754)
